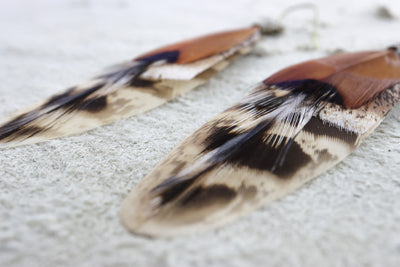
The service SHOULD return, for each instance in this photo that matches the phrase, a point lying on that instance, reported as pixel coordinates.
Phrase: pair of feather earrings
(291, 127)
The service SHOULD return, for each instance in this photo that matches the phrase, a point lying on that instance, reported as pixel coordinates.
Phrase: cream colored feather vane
(290, 128)
(129, 88)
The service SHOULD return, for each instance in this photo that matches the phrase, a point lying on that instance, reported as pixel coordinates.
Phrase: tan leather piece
(358, 77)
(205, 46)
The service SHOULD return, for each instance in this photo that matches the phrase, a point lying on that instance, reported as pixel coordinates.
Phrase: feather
(290, 128)
(127, 89)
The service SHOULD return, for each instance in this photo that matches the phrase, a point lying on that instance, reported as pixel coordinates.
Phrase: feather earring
(290, 128)
(130, 88)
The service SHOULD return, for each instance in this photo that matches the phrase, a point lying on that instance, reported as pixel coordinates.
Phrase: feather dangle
(293, 126)
(130, 88)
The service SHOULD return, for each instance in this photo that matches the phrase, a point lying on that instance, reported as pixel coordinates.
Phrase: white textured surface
(59, 200)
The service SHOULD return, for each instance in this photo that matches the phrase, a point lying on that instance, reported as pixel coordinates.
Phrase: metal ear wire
(275, 27)
(314, 35)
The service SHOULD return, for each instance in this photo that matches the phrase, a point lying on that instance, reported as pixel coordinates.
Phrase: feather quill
(290, 128)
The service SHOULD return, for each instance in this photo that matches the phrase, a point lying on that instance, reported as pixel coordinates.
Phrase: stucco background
(59, 200)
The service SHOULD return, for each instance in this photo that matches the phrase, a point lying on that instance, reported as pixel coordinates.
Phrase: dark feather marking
(312, 87)
(76, 98)
(283, 159)
(18, 125)
(13, 127)
(169, 56)
(138, 82)
(262, 156)
(172, 187)
(78, 101)
(318, 127)
(204, 196)
(249, 149)
(173, 191)
(324, 155)
(218, 137)
(315, 94)
(236, 144)
(134, 69)
(95, 105)
(57, 98)
(30, 130)
(263, 105)
(70, 101)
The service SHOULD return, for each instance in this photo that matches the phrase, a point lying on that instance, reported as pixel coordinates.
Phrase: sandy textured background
(59, 200)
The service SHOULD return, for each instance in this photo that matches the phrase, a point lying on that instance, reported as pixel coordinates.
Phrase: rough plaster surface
(59, 200)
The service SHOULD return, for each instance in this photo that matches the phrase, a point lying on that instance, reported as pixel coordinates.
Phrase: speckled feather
(292, 127)
(127, 89)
